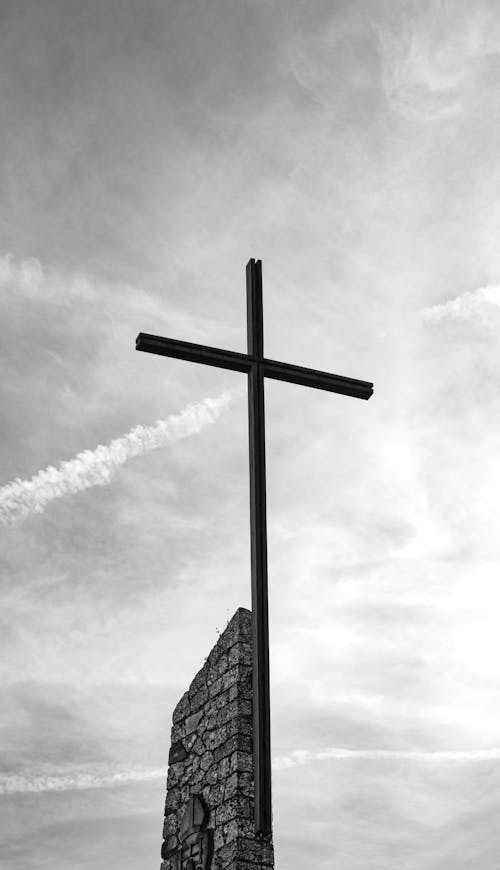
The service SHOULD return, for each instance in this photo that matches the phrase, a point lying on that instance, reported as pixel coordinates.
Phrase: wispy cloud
(427, 60)
(475, 304)
(300, 757)
(20, 498)
(25, 277)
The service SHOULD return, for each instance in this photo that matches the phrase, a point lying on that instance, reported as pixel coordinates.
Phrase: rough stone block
(206, 761)
(221, 701)
(222, 666)
(216, 737)
(177, 753)
(227, 748)
(217, 794)
(182, 709)
(214, 687)
(169, 826)
(237, 807)
(196, 684)
(238, 653)
(239, 783)
(257, 851)
(178, 732)
(197, 779)
(230, 677)
(242, 761)
(189, 742)
(199, 699)
(199, 746)
(173, 798)
(175, 772)
(193, 721)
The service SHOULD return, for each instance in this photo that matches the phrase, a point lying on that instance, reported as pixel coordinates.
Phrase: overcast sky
(148, 150)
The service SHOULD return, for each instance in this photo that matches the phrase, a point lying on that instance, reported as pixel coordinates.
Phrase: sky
(148, 151)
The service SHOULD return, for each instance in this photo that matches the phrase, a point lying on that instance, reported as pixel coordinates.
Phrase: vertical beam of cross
(258, 541)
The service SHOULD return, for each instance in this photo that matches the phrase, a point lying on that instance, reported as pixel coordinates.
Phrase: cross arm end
(318, 380)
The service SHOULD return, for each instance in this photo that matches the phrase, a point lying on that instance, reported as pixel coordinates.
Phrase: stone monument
(209, 810)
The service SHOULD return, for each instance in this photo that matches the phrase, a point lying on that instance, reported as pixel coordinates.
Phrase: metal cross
(257, 367)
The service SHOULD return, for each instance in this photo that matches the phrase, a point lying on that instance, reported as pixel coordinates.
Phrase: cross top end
(255, 313)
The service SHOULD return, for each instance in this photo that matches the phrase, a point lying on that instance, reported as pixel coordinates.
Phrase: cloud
(20, 498)
(429, 55)
(300, 757)
(26, 277)
(476, 304)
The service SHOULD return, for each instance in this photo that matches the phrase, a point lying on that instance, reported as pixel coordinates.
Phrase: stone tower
(210, 787)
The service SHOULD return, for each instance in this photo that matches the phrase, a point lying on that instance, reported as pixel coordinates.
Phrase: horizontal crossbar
(242, 362)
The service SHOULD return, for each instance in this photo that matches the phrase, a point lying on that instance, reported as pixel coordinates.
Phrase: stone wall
(210, 788)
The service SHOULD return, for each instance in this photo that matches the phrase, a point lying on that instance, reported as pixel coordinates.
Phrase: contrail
(303, 756)
(13, 783)
(75, 780)
(20, 498)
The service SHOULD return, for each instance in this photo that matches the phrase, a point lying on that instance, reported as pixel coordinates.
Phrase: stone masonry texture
(211, 757)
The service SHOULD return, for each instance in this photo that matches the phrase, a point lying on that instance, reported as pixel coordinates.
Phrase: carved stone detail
(196, 844)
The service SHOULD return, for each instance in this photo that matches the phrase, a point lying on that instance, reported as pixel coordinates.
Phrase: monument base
(209, 810)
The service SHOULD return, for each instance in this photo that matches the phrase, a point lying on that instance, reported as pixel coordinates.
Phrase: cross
(257, 367)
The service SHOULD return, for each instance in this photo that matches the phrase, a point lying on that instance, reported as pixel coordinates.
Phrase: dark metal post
(260, 624)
